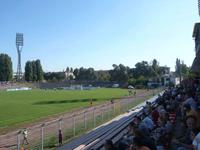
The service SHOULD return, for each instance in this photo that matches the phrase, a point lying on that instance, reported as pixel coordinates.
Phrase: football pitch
(18, 108)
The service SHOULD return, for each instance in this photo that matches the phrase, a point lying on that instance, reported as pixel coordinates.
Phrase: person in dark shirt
(60, 137)
(138, 144)
(108, 145)
(145, 140)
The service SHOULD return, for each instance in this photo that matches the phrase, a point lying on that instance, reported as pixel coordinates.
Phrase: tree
(33, 71)
(155, 67)
(90, 74)
(141, 81)
(71, 69)
(6, 71)
(119, 73)
(143, 69)
(29, 71)
(67, 69)
(76, 73)
(184, 69)
(84, 74)
(39, 71)
(181, 69)
(54, 76)
(103, 75)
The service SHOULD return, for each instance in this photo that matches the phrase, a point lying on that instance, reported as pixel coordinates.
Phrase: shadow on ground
(63, 101)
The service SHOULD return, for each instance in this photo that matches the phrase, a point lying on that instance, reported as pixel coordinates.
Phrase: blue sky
(99, 33)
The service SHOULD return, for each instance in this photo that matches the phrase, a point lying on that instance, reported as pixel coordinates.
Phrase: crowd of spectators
(173, 124)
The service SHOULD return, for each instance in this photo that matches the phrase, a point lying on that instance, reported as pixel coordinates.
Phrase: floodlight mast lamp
(19, 45)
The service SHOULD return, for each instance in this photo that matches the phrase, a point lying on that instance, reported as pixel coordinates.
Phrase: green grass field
(22, 107)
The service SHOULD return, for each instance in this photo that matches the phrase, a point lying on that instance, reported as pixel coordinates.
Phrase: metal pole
(127, 104)
(102, 114)
(114, 108)
(109, 112)
(74, 124)
(18, 141)
(85, 125)
(42, 136)
(60, 124)
(59, 129)
(94, 118)
(120, 107)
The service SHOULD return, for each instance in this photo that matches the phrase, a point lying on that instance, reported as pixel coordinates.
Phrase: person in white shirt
(25, 136)
(195, 135)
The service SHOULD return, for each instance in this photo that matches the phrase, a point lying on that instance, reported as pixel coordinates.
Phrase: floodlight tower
(199, 6)
(19, 45)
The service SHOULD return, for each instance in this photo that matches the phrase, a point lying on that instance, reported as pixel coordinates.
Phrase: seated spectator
(128, 138)
(198, 116)
(147, 108)
(159, 133)
(155, 116)
(108, 145)
(145, 140)
(185, 142)
(177, 117)
(188, 111)
(147, 121)
(190, 100)
(162, 113)
(142, 126)
(138, 145)
(172, 115)
(195, 135)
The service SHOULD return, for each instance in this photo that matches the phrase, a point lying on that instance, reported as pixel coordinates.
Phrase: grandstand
(165, 122)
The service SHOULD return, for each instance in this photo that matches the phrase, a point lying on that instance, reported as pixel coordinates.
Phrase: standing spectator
(91, 103)
(25, 136)
(111, 101)
(60, 139)
(134, 93)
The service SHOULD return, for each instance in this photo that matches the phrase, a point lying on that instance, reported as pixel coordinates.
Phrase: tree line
(6, 71)
(139, 75)
(33, 71)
